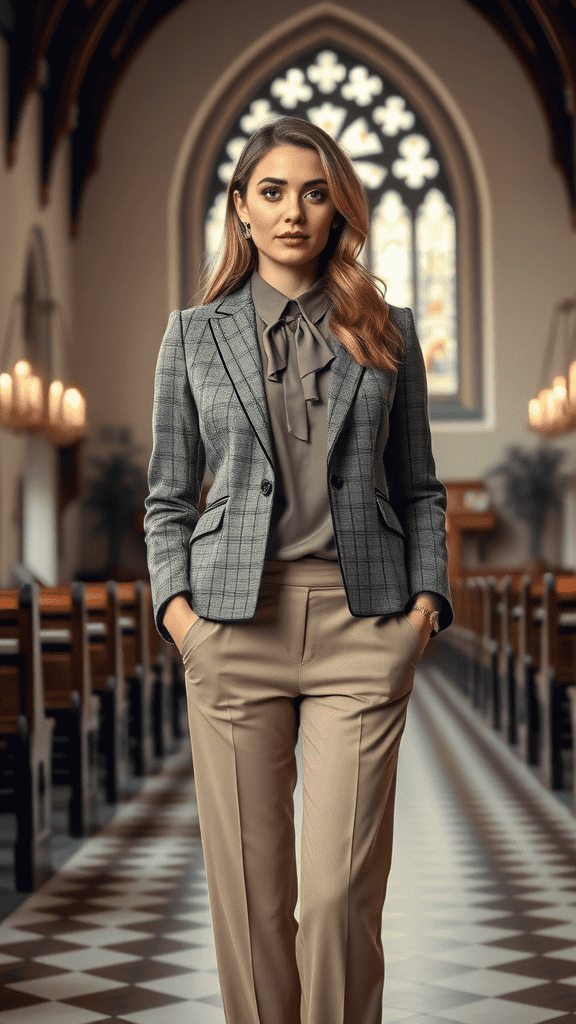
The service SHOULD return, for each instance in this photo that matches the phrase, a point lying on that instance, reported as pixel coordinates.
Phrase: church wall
(122, 258)
(21, 212)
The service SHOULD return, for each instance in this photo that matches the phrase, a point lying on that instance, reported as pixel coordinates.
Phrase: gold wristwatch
(434, 617)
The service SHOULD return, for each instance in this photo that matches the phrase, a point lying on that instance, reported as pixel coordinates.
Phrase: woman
(305, 593)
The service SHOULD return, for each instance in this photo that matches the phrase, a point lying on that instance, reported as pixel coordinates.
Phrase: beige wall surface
(21, 212)
(122, 253)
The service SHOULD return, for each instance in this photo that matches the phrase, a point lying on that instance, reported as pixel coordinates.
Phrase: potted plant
(117, 493)
(532, 486)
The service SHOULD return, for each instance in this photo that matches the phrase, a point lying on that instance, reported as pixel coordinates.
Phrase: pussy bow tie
(298, 375)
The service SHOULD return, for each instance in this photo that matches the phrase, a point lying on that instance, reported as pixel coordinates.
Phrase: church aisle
(479, 924)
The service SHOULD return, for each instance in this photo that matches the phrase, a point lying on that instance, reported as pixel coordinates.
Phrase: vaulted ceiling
(76, 52)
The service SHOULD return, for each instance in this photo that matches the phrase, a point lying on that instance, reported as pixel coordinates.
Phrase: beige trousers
(303, 661)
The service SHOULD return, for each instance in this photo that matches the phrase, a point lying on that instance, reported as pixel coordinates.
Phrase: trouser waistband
(303, 572)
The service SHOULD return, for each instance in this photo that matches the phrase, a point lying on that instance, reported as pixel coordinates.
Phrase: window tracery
(413, 236)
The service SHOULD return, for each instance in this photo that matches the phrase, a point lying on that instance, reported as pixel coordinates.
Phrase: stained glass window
(413, 235)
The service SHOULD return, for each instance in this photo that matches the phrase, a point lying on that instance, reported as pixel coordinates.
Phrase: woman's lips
(293, 239)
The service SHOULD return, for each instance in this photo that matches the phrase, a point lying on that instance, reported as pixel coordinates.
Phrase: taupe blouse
(297, 349)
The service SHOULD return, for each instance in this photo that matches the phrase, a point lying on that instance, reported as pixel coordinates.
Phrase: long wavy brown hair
(359, 319)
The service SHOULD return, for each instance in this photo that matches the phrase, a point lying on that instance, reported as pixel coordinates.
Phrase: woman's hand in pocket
(178, 618)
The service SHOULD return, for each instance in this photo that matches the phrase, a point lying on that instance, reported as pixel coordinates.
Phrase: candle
(558, 397)
(55, 402)
(5, 396)
(35, 398)
(534, 412)
(21, 371)
(73, 408)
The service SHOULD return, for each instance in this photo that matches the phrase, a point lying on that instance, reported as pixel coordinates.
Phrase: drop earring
(247, 230)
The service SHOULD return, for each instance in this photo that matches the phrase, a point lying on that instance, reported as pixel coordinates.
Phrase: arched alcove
(331, 28)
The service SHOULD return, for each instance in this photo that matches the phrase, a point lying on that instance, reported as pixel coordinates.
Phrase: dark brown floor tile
(128, 999)
(514, 905)
(40, 947)
(525, 922)
(163, 926)
(26, 970)
(138, 971)
(531, 942)
(75, 907)
(173, 906)
(155, 946)
(12, 999)
(548, 967)
(66, 926)
(552, 996)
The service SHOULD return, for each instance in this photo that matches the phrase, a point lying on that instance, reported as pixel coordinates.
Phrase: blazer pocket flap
(388, 514)
(209, 521)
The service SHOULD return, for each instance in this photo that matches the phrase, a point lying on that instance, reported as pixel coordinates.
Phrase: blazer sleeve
(416, 494)
(175, 475)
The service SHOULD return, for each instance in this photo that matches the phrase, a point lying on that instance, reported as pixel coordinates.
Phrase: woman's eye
(271, 192)
(316, 195)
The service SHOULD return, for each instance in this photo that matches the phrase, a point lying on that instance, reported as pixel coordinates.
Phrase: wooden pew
(70, 701)
(133, 600)
(571, 695)
(556, 672)
(468, 638)
(107, 668)
(490, 696)
(165, 699)
(528, 613)
(507, 651)
(25, 736)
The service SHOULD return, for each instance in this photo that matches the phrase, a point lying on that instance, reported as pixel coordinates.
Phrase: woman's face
(289, 209)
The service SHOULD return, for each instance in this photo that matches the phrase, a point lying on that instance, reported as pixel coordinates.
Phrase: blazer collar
(234, 332)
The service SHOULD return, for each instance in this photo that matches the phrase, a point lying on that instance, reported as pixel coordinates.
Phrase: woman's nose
(293, 211)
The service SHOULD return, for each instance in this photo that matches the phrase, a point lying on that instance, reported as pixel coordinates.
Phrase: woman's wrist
(425, 609)
(429, 600)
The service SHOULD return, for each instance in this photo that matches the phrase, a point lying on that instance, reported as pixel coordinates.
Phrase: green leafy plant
(117, 494)
(532, 486)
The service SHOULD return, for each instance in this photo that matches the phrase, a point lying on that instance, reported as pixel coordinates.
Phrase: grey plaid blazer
(388, 507)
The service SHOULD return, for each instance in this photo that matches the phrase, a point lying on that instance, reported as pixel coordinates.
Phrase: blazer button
(336, 481)
(266, 487)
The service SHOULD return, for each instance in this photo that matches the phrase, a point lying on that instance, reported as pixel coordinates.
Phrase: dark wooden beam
(72, 48)
(541, 33)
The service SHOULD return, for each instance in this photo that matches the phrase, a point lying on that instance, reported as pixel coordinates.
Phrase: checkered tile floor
(480, 917)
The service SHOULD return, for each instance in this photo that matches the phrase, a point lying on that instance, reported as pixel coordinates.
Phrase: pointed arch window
(414, 229)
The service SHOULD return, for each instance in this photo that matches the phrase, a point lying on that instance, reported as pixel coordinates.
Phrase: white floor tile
(178, 1013)
(200, 959)
(194, 985)
(498, 1011)
(488, 983)
(473, 933)
(480, 956)
(50, 1013)
(86, 959)
(65, 986)
(104, 937)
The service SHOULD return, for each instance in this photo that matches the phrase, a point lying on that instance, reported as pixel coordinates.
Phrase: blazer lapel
(345, 377)
(233, 327)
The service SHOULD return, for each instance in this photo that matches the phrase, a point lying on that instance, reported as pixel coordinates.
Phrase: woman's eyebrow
(282, 181)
